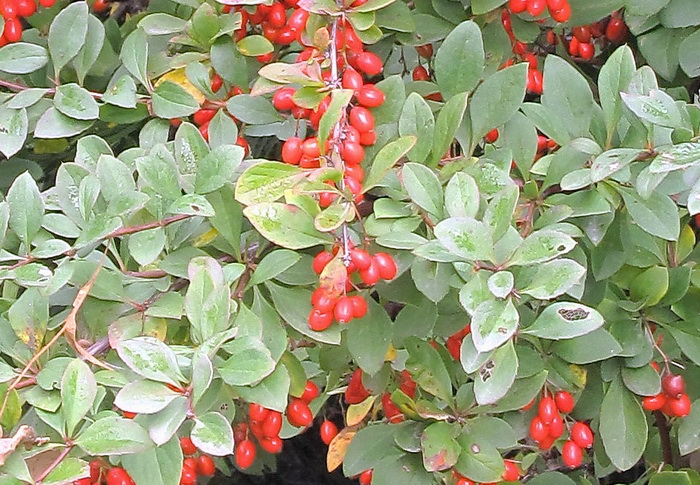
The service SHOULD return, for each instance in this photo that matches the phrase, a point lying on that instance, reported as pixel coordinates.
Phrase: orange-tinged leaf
(357, 412)
(338, 448)
(178, 77)
(332, 278)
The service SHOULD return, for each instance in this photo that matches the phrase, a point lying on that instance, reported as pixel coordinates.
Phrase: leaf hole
(574, 314)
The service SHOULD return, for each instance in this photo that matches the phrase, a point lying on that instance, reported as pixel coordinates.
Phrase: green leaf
(255, 110)
(493, 323)
(479, 460)
(657, 215)
(423, 188)
(459, 61)
(22, 58)
(156, 466)
(462, 196)
(273, 264)
(266, 182)
(591, 347)
(144, 397)
(657, 108)
(368, 338)
(466, 237)
(676, 157)
(496, 100)
(54, 124)
(191, 204)
(339, 101)
(672, 478)
(568, 95)
(150, 358)
(213, 434)
(623, 426)
(611, 162)
(417, 119)
(428, 369)
(687, 54)
(13, 130)
(554, 278)
(250, 362)
(368, 447)
(500, 284)
(134, 55)
(26, 208)
(272, 392)
(67, 34)
(386, 158)
(94, 41)
(78, 391)
(499, 213)
(170, 100)
(76, 102)
(114, 436)
(208, 298)
(162, 24)
(680, 13)
(439, 447)
(285, 225)
(447, 124)
(541, 246)
(496, 375)
(217, 168)
(254, 45)
(431, 278)
(565, 320)
(689, 431)
(552, 478)
(222, 130)
(121, 93)
(615, 76)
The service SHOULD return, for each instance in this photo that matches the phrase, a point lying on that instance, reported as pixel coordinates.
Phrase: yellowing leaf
(338, 448)
(390, 353)
(206, 238)
(178, 77)
(332, 278)
(580, 374)
(357, 412)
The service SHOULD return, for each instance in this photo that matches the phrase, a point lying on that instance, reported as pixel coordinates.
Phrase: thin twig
(664, 435)
(55, 463)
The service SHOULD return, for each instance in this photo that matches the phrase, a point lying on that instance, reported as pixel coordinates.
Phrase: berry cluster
(101, 475)
(672, 400)
(560, 10)
(332, 301)
(511, 474)
(548, 426)
(13, 11)
(204, 115)
(194, 466)
(421, 73)
(582, 43)
(266, 424)
(535, 83)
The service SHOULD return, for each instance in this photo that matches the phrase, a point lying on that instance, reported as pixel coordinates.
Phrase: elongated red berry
(582, 435)
(328, 431)
(572, 454)
(245, 454)
(565, 401)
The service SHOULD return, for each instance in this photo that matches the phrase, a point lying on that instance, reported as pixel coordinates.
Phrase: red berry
(572, 454)
(95, 470)
(243, 143)
(203, 116)
(680, 406)
(408, 385)
(245, 454)
(100, 6)
(343, 310)
(361, 258)
(319, 321)
(534, 81)
(586, 51)
(265, 58)
(256, 412)
(425, 50)
(25, 8)
(355, 172)
(359, 306)
(190, 463)
(216, 83)
(299, 414)
(370, 276)
(368, 138)
(352, 80)
(517, 6)
(321, 260)
(206, 466)
(328, 431)
(369, 63)
(272, 445)
(188, 447)
(272, 425)
(322, 302)
(556, 427)
(512, 472)
(547, 410)
(83, 481)
(582, 33)
(310, 148)
(361, 119)
(386, 266)
(356, 391)
(536, 7)
(420, 74)
(673, 385)
(118, 476)
(582, 435)
(391, 410)
(353, 153)
(277, 15)
(464, 481)
(538, 430)
(491, 136)
(355, 187)
(282, 99)
(370, 96)
(366, 477)
(654, 403)
(13, 30)
(47, 3)
(291, 150)
(563, 14)
(310, 393)
(616, 31)
(564, 401)
(556, 4)
(240, 431)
